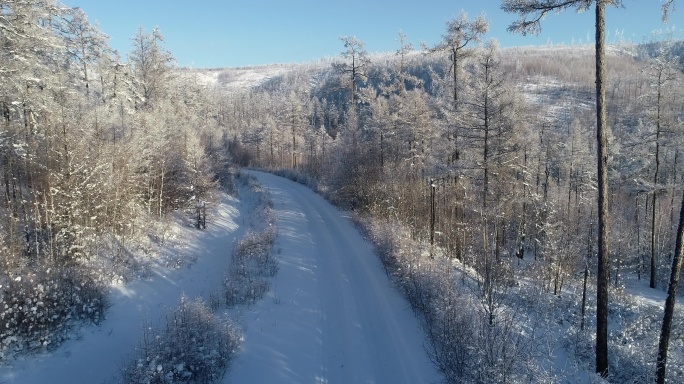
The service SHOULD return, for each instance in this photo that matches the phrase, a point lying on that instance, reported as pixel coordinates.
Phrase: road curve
(332, 315)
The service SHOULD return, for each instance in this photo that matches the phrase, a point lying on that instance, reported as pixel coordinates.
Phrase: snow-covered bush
(299, 177)
(194, 347)
(505, 351)
(252, 266)
(467, 343)
(37, 304)
(450, 329)
(253, 263)
(261, 205)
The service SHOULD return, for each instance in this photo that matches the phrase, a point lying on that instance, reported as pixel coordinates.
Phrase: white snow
(97, 353)
(332, 315)
(238, 78)
(644, 295)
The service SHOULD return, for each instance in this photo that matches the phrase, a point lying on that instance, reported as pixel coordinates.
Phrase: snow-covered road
(332, 315)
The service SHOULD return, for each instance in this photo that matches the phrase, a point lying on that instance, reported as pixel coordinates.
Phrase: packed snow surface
(332, 315)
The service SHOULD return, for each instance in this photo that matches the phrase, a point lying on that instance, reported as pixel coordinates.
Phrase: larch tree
(294, 117)
(355, 66)
(151, 64)
(661, 73)
(491, 110)
(70, 190)
(403, 78)
(84, 42)
(31, 54)
(538, 10)
(381, 123)
(392, 103)
(668, 315)
(460, 33)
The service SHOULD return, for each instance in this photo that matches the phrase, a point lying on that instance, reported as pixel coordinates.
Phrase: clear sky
(234, 33)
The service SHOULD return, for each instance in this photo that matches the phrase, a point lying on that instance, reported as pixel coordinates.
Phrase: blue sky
(233, 33)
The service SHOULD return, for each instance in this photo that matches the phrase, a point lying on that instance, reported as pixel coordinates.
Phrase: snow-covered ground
(96, 354)
(332, 315)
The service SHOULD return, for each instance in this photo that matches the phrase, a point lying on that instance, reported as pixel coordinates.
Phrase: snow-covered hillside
(238, 78)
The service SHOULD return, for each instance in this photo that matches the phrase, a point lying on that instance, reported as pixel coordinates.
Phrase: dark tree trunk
(671, 298)
(603, 274)
(584, 294)
(454, 60)
(653, 277)
(432, 215)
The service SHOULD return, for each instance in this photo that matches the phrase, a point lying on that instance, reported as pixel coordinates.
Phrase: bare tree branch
(669, 5)
(537, 11)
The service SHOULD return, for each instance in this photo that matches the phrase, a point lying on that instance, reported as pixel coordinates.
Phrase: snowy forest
(472, 169)
(95, 150)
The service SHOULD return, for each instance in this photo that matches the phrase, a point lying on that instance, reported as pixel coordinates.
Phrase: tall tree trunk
(589, 254)
(674, 182)
(603, 274)
(485, 150)
(161, 189)
(652, 281)
(432, 216)
(652, 278)
(641, 267)
(454, 61)
(671, 298)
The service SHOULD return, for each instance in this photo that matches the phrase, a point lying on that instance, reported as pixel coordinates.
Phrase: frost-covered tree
(668, 315)
(84, 42)
(83, 167)
(151, 63)
(354, 68)
(294, 118)
(460, 33)
(662, 75)
(663, 344)
(538, 9)
(492, 130)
